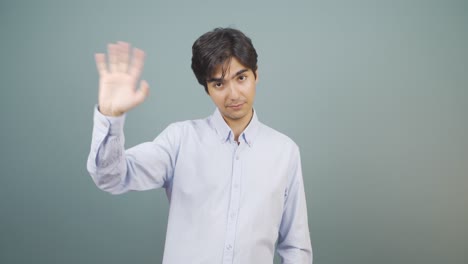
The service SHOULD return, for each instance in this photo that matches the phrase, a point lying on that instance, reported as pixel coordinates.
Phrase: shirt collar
(225, 133)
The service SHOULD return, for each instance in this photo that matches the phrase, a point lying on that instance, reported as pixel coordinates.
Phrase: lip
(236, 106)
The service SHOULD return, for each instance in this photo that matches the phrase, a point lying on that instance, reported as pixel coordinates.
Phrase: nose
(233, 91)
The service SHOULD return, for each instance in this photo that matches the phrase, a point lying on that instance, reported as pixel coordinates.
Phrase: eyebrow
(221, 79)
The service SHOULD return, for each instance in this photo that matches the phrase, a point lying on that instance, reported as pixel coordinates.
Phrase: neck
(238, 126)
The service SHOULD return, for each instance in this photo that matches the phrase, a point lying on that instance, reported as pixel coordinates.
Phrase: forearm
(295, 254)
(106, 161)
(294, 245)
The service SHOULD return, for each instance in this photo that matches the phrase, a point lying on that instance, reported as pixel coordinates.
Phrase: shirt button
(236, 186)
(237, 157)
(228, 247)
(233, 215)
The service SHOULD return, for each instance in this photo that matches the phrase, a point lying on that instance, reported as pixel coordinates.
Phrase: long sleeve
(115, 170)
(294, 246)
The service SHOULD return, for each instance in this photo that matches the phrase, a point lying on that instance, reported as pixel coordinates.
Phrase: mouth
(236, 106)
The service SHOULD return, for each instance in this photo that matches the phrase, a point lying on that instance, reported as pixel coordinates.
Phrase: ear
(256, 75)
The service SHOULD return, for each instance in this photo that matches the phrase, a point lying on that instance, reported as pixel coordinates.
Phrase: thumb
(143, 92)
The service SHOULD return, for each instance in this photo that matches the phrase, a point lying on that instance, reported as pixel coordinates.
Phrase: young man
(234, 185)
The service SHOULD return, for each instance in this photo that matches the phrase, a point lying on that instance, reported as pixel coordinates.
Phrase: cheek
(249, 90)
(218, 98)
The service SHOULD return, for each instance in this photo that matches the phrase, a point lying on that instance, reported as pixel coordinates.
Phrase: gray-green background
(374, 92)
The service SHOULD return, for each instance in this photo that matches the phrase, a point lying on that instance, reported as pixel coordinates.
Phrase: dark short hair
(216, 48)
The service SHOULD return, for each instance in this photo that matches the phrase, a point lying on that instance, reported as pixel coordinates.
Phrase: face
(234, 94)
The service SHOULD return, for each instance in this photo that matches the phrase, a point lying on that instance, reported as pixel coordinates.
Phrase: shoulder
(189, 125)
(269, 134)
(273, 134)
(193, 127)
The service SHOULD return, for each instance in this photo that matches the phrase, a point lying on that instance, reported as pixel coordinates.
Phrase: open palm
(118, 79)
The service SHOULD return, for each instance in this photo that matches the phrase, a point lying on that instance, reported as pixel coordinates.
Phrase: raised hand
(118, 79)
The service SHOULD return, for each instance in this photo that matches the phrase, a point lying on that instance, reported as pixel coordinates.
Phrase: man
(234, 185)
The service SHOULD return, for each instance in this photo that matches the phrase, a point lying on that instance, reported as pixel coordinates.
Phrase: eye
(218, 85)
(242, 78)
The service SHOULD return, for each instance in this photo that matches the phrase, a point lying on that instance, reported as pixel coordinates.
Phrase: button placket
(233, 206)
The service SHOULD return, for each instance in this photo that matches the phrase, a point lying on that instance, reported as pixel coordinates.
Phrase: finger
(137, 63)
(101, 63)
(143, 92)
(122, 58)
(112, 50)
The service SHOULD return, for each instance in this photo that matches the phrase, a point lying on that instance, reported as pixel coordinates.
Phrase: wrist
(108, 112)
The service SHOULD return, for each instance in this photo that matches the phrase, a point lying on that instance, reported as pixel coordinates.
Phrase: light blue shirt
(229, 202)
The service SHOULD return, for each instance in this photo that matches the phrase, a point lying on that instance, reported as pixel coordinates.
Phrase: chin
(239, 116)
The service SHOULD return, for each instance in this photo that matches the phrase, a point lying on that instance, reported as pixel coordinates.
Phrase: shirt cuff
(112, 125)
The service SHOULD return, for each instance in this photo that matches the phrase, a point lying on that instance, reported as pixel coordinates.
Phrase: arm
(294, 245)
(143, 167)
(146, 166)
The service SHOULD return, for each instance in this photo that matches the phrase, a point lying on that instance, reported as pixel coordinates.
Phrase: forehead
(228, 68)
